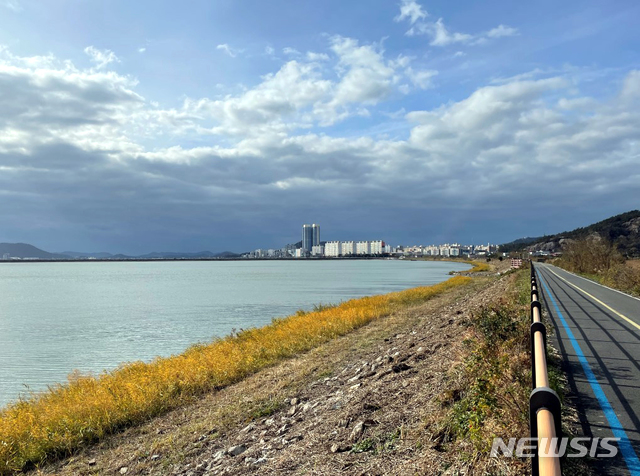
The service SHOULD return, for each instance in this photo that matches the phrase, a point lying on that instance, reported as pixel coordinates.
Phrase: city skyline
(311, 246)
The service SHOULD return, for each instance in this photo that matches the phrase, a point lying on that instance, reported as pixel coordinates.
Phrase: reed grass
(59, 421)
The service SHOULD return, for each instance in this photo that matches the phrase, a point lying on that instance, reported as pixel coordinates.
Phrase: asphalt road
(597, 331)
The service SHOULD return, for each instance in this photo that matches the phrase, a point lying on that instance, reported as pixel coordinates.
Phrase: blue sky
(139, 126)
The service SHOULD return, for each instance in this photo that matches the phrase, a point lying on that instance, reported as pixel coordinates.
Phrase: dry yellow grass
(478, 267)
(633, 264)
(57, 422)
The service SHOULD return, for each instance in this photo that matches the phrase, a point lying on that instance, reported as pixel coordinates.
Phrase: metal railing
(544, 404)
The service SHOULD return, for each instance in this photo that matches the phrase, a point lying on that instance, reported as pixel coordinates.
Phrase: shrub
(598, 259)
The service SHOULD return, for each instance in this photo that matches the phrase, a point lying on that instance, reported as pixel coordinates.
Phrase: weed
(266, 408)
(363, 446)
(323, 307)
(490, 388)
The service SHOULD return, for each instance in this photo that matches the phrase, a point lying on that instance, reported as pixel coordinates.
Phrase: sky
(226, 124)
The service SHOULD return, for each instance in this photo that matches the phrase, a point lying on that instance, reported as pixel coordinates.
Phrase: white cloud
(299, 96)
(269, 51)
(142, 50)
(366, 76)
(402, 61)
(290, 51)
(279, 97)
(412, 10)
(501, 31)
(631, 86)
(232, 52)
(53, 100)
(101, 58)
(533, 74)
(311, 56)
(571, 104)
(440, 35)
(421, 79)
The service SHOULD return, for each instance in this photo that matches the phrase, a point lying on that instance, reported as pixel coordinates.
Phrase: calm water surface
(57, 317)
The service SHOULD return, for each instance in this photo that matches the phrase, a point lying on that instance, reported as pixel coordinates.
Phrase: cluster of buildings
(351, 248)
(447, 250)
(312, 246)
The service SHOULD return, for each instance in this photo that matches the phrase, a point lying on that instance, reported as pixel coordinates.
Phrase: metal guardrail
(544, 403)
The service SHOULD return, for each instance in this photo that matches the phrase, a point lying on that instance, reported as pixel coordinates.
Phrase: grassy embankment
(600, 261)
(490, 389)
(478, 267)
(56, 423)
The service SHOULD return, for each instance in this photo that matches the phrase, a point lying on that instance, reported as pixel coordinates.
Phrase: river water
(60, 317)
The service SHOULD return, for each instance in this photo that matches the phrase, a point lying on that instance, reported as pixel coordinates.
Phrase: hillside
(177, 255)
(79, 254)
(622, 230)
(24, 250)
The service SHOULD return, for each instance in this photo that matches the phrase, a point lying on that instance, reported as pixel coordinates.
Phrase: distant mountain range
(77, 254)
(25, 251)
(622, 230)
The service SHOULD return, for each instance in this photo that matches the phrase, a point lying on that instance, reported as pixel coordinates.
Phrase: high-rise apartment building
(363, 247)
(377, 247)
(307, 238)
(310, 237)
(348, 248)
(333, 249)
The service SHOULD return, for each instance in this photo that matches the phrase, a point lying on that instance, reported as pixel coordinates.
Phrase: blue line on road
(629, 455)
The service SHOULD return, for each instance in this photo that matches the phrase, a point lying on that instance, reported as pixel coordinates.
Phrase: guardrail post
(537, 327)
(535, 305)
(543, 398)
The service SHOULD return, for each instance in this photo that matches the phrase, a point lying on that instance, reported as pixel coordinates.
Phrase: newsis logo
(573, 448)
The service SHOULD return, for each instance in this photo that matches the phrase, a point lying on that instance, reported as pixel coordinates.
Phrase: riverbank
(479, 268)
(60, 421)
(358, 404)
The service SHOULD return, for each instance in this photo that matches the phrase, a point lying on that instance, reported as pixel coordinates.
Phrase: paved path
(597, 331)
